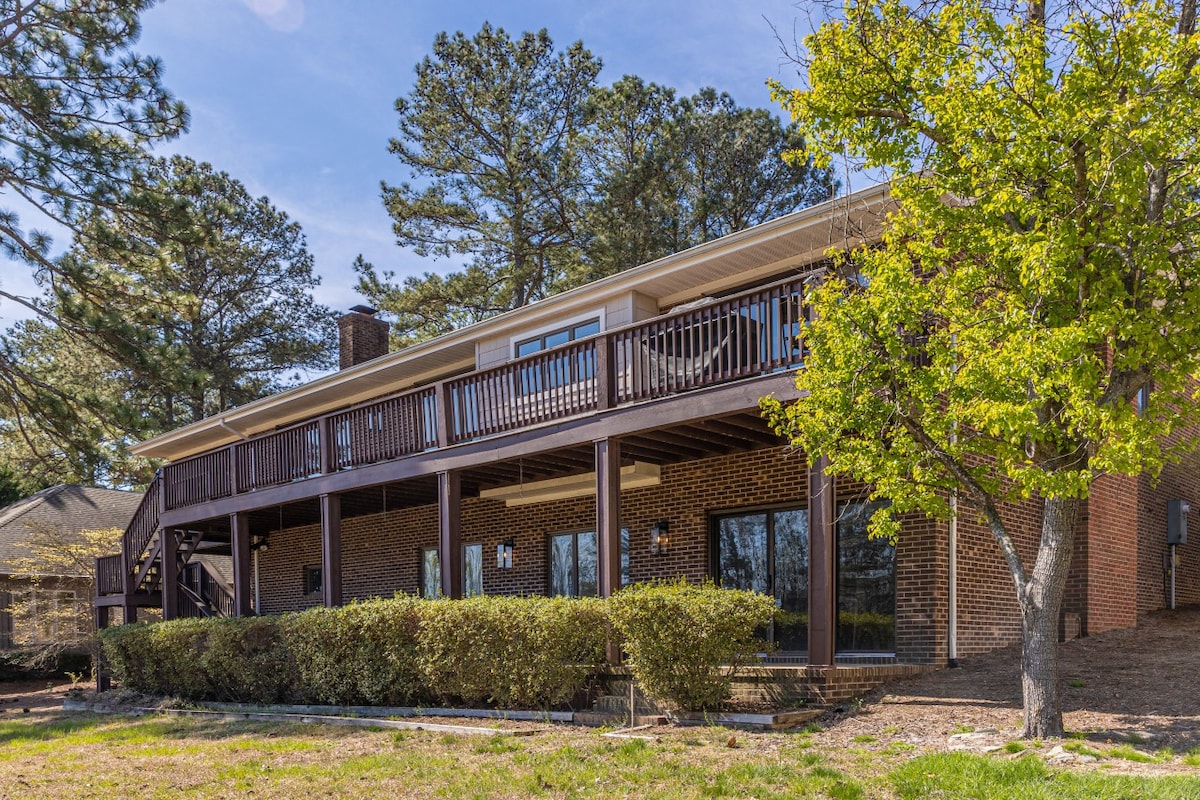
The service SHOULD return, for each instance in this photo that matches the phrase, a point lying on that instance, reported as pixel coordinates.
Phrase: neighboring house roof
(793, 241)
(66, 507)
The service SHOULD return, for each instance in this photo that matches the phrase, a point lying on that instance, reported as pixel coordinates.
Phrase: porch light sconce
(259, 544)
(660, 538)
(504, 554)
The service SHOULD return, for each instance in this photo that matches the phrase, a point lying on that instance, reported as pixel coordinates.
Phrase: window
(431, 571)
(866, 584)
(312, 580)
(1141, 400)
(472, 570)
(767, 551)
(549, 339)
(573, 563)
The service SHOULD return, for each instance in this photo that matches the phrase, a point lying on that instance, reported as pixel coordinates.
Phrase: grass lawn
(76, 756)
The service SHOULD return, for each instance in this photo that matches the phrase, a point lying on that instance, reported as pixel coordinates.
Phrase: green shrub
(685, 641)
(360, 654)
(516, 652)
(238, 660)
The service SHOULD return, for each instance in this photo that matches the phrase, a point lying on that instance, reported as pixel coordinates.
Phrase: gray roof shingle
(66, 507)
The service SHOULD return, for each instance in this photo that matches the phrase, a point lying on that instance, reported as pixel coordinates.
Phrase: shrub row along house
(606, 435)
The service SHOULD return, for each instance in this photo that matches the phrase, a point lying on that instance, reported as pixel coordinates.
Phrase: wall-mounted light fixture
(660, 539)
(504, 554)
(258, 543)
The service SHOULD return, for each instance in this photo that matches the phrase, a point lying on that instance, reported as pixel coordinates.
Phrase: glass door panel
(742, 553)
(790, 530)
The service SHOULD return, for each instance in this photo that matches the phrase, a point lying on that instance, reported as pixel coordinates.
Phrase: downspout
(221, 421)
(952, 578)
(257, 599)
(952, 547)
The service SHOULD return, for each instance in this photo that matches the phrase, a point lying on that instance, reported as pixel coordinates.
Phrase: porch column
(239, 541)
(608, 516)
(169, 573)
(103, 680)
(450, 533)
(331, 549)
(822, 592)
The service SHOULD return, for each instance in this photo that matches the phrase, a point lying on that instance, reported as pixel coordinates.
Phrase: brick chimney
(361, 337)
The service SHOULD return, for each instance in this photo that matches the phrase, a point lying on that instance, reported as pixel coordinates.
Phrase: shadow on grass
(112, 728)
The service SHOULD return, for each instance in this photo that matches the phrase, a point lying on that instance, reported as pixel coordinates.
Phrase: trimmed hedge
(685, 641)
(360, 654)
(530, 652)
(511, 651)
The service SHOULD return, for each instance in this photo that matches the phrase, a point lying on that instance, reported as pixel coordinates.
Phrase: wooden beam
(331, 549)
(450, 533)
(715, 401)
(169, 572)
(822, 594)
(608, 516)
(239, 527)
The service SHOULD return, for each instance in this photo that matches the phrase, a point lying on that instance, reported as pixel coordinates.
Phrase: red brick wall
(1180, 481)
(1104, 561)
(381, 552)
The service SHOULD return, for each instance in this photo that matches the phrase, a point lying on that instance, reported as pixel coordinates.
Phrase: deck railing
(541, 387)
(753, 333)
(198, 479)
(141, 528)
(383, 430)
(280, 457)
(110, 575)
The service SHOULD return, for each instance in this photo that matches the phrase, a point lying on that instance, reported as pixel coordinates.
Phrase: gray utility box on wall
(1177, 514)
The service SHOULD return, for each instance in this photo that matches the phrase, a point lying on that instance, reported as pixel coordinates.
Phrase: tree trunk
(1041, 602)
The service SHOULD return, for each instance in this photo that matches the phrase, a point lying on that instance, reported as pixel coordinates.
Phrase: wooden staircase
(133, 578)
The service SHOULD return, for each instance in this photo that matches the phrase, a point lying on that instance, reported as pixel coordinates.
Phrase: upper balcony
(714, 341)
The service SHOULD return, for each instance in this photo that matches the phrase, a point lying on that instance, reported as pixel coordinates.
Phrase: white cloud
(282, 15)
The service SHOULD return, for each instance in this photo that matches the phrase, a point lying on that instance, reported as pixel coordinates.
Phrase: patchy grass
(92, 756)
(959, 775)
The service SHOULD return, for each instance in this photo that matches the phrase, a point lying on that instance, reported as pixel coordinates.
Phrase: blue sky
(295, 97)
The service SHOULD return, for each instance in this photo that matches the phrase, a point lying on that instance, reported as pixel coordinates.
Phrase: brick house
(49, 601)
(604, 435)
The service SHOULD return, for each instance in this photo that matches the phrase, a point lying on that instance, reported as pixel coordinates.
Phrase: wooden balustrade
(753, 333)
(722, 340)
(381, 431)
(198, 479)
(280, 457)
(142, 526)
(541, 387)
(110, 575)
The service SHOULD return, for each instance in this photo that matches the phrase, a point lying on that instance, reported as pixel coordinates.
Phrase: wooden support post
(233, 469)
(169, 573)
(324, 445)
(608, 516)
(103, 680)
(443, 414)
(605, 391)
(450, 533)
(822, 595)
(331, 549)
(239, 527)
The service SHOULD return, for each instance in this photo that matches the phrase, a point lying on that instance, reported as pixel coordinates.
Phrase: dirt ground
(1139, 685)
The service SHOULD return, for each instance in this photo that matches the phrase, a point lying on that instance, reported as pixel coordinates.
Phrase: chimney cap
(361, 309)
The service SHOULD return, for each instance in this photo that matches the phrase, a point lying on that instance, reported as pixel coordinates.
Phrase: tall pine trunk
(1041, 602)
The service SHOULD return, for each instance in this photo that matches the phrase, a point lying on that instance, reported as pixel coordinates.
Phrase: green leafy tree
(543, 181)
(488, 135)
(199, 302)
(77, 106)
(218, 285)
(1038, 271)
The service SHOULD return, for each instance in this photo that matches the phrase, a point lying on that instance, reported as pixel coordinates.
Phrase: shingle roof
(67, 507)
